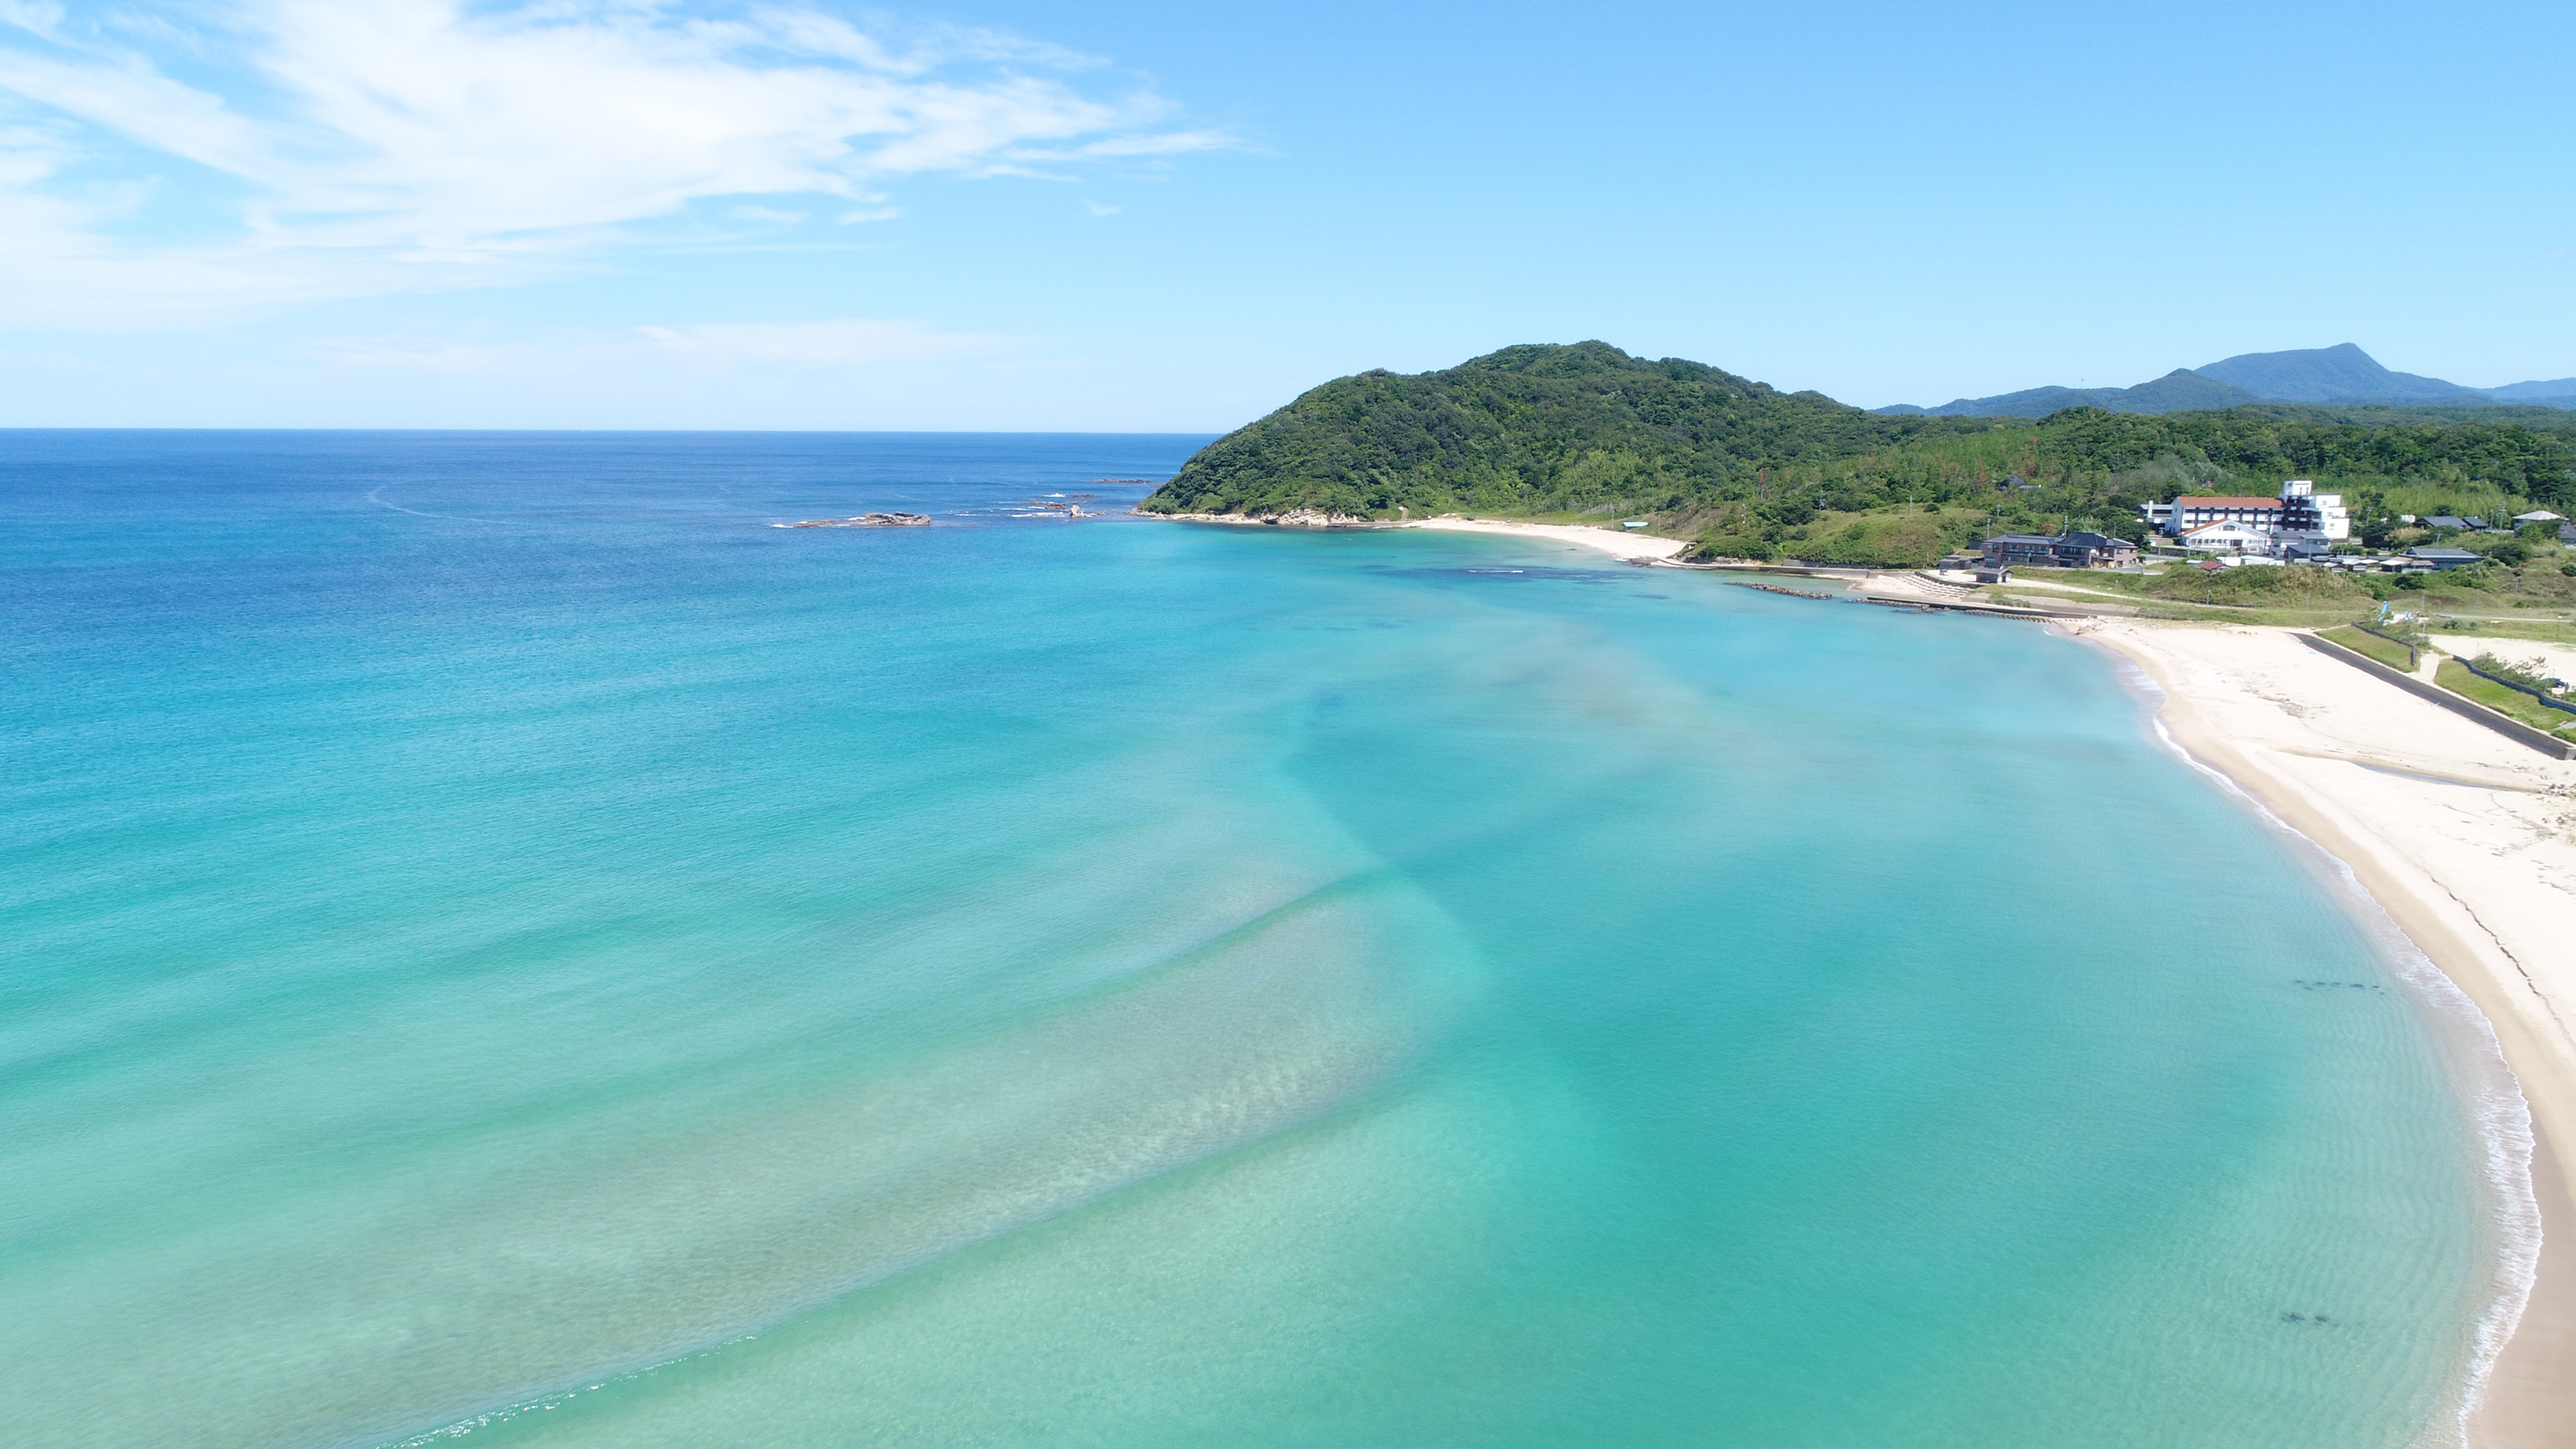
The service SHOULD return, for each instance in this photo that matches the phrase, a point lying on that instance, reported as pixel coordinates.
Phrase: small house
(2095, 551)
(2445, 558)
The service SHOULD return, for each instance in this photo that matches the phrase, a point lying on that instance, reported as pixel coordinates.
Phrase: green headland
(1588, 433)
(1548, 431)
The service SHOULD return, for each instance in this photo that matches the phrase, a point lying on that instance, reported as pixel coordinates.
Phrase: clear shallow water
(502, 942)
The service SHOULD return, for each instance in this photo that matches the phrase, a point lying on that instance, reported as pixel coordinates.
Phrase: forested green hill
(1549, 428)
(1530, 429)
(1588, 429)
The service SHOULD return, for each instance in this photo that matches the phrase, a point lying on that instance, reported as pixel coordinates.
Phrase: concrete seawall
(2469, 709)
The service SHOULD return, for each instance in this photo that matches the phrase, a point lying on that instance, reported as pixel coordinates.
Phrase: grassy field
(2386, 651)
(2455, 677)
(2545, 631)
(2160, 609)
(2300, 598)
(2105, 580)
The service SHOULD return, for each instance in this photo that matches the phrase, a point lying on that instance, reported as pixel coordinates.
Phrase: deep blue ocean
(503, 943)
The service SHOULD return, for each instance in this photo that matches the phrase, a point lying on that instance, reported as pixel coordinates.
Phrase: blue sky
(620, 213)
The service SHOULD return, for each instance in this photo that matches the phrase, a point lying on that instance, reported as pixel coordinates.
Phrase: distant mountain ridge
(2562, 388)
(2339, 374)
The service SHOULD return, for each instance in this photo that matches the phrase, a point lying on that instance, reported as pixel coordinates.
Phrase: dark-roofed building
(2007, 549)
(2445, 520)
(2067, 551)
(2445, 558)
(2101, 550)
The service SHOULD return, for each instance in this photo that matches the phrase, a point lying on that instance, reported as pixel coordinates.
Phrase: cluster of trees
(1755, 471)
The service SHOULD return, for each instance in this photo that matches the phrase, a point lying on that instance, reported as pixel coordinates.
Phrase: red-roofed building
(2300, 512)
(2185, 514)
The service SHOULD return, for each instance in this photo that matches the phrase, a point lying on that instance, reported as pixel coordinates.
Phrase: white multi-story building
(2300, 512)
(2306, 513)
(2185, 514)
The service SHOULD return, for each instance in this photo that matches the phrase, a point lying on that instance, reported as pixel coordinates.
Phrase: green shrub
(2282, 586)
(2531, 673)
(1736, 545)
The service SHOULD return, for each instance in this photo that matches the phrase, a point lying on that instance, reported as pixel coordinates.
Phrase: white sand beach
(1618, 543)
(2468, 840)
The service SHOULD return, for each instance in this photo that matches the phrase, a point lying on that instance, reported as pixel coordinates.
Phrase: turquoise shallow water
(504, 943)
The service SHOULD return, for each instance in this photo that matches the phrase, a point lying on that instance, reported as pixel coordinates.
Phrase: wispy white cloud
(40, 17)
(846, 343)
(371, 145)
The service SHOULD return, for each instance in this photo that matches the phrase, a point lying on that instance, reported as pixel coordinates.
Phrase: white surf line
(2496, 1105)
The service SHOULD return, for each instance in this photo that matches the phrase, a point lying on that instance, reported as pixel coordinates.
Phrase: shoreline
(1618, 543)
(2381, 782)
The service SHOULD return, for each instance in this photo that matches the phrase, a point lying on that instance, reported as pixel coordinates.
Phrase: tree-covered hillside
(2510, 457)
(1533, 429)
(1587, 429)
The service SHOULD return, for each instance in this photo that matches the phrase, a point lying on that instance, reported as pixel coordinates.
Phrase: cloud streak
(356, 146)
(841, 344)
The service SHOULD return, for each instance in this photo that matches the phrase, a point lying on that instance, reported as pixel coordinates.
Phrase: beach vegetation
(2360, 641)
(2532, 673)
(2456, 677)
(2300, 586)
